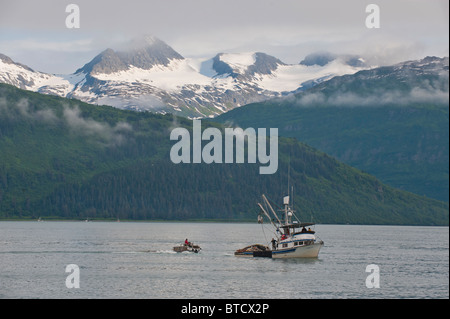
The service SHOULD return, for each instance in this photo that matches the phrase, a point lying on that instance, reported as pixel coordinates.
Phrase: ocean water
(135, 260)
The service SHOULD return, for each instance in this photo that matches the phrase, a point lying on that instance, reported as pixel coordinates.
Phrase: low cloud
(89, 127)
(141, 103)
(71, 116)
(425, 92)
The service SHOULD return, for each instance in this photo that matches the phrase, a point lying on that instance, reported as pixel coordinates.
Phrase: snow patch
(173, 77)
(291, 77)
(203, 66)
(36, 81)
(239, 61)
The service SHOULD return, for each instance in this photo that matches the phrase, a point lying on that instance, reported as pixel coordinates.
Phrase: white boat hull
(308, 251)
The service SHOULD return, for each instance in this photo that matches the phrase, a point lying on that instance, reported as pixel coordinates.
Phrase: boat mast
(271, 209)
(286, 199)
(286, 209)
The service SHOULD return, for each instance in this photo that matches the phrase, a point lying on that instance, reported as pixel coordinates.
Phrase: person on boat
(186, 242)
(303, 229)
(274, 244)
(283, 237)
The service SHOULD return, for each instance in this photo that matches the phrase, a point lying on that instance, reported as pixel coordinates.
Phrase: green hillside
(67, 159)
(392, 122)
(404, 147)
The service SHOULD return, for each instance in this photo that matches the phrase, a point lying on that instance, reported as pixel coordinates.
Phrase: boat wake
(157, 251)
(165, 252)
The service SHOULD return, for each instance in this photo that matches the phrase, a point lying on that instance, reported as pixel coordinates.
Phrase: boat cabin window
(285, 245)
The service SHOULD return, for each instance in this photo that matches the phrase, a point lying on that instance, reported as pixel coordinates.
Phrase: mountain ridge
(149, 75)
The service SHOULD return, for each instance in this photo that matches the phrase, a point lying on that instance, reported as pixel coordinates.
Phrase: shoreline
(193, 221)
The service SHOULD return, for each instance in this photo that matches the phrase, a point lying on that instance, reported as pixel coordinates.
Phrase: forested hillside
(63, 158)
(392, 122)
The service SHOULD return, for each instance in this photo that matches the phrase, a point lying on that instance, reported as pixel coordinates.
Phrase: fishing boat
(292, 239)
(187, 246)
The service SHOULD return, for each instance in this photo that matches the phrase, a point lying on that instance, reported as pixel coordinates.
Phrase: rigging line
(272, 202)
(262, 227)
(274, 233)
(281, 208)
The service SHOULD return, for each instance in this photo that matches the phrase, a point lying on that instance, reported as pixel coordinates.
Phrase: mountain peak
(245, 64)
(8, 60)
(106, 62)
(141, 43)
(143, 52)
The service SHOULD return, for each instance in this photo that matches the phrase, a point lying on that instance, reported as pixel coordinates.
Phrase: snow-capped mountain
(26, 78)
(149, 75)
(424, 79)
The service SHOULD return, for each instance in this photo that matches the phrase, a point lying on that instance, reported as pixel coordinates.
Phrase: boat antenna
(292, 201)
(289, 172)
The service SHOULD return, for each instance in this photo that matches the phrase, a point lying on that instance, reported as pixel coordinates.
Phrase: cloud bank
(433, 92)
(34, 32)
(100, 132)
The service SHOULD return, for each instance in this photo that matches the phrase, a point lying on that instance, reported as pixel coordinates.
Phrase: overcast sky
(34, 32)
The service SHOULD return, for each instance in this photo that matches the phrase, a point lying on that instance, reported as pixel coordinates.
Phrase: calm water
(135, 260)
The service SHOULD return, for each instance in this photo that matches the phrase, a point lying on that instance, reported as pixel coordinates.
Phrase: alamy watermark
(73, 19)
(373, 279)
(213, 151)
(373, 19)
(73, 279)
